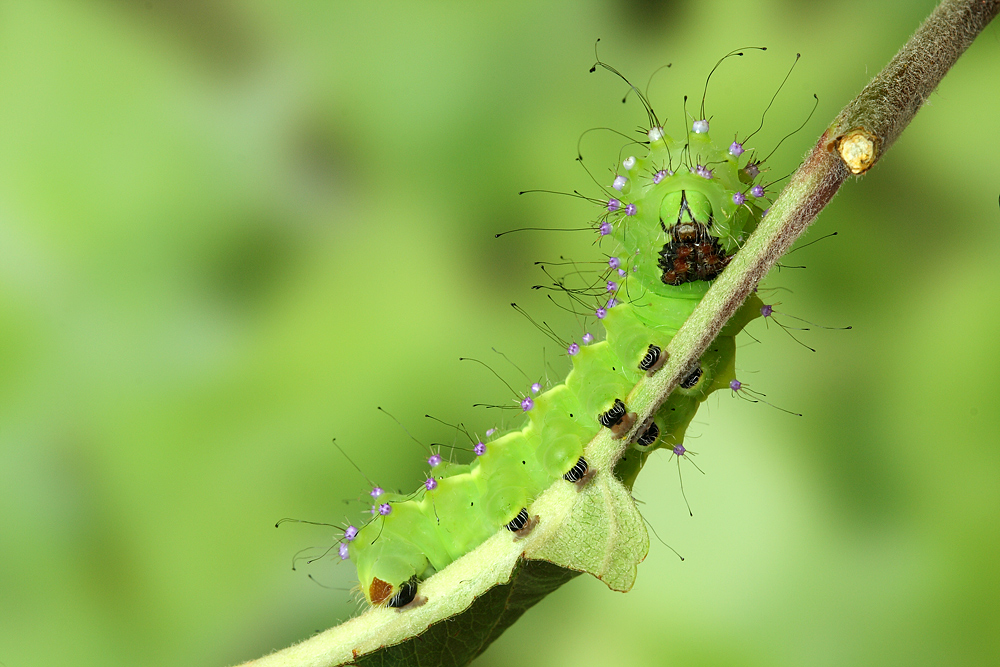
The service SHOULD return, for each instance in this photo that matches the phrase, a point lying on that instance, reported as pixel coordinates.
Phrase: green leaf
(595, 528)
(459, 639)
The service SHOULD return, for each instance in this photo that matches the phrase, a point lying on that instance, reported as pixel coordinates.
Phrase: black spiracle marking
(614, 415)
(649, 436)
(692, 378)
(404, 596)
(519, 522)
(577, 472)
(652, 356)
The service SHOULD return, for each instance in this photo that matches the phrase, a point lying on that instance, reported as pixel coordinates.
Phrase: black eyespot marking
(577, 472)
(692, 378)
(654, 359)
(613, 415)
(519, 522)
(404, 596)
(650, 435)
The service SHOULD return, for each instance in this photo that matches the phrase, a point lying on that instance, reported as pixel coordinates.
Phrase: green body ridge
(669, 185)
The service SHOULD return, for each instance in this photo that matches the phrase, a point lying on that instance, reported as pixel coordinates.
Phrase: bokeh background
(230, 230)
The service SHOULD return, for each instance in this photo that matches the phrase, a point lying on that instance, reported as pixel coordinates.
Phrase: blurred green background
(230, 230)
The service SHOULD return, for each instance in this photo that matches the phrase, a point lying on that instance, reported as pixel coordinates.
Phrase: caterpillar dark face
(675, 214)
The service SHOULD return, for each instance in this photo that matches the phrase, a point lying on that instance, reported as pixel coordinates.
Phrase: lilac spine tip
(430, 484)
(527, 403)
(704, 172)
(605, 228)
(344, 553)
(613, 205)
(736, 149)
(612, 286)
(612, 303)
(630, 209)
(536, 387)
(699, 126)
(735, 385)
(601, 313)
(385, 509)
(624, 273)
(573, 349)
(766, 310)
(434, 460)
(659, 176)
(619, 183)
(614, 262)
(679, 450)
(757, 191)
(377, 491)
(479, 449)
(490, 432)
(350, 533)
(587, 339)
(739, 198)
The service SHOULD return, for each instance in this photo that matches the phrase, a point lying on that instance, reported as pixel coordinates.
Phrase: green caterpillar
(677, 212)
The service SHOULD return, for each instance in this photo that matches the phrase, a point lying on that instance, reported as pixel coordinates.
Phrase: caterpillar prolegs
(676, 212)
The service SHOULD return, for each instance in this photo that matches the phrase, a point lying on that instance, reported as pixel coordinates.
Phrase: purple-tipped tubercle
(527, 403)
(612, 303)
(479, 449)
(735, 385)
(703, 171)
(536, 387)
(350, 533)
(766, 310)
(601, 313)
(659, 176)
(614, 205)
(619, 183)
(739, 198)
(588, 339)
(430, 484)
(344, 553)
(736, 149)
(377, 491)
(606, 228)
(614, 262)
(679, 450)
(630, 209)
(612, 286)
(757, 191)
(434, 460)
(573, 349)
